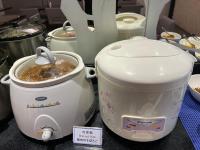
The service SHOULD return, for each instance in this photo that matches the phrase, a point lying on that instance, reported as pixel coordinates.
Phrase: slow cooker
(141, 87)
(50, 93)
(62, 39)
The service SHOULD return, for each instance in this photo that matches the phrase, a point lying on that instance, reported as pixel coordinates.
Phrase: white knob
(128, 20)
(47, 133)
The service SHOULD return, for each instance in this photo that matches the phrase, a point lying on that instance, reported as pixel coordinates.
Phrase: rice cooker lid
(129, 21)
(30, 71)
(66, 33)
(21, 32)
(143, 61)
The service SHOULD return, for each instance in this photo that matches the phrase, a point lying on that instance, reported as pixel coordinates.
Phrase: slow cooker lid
(141, 48)
(64, 33)
(30, 71)
(21, 32)
(143, 61)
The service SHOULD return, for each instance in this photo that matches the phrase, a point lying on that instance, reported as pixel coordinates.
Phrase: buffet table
(12, 138)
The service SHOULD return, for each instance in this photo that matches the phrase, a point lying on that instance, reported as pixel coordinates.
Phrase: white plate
(195, 83)
(176, 35)
(193, 41)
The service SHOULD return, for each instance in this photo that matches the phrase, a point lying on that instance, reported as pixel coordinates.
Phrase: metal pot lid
(21, 32)
(66, 33)
(36, 69)
(144, 61)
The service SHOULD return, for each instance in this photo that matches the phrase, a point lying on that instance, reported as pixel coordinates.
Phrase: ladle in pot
(44, 58)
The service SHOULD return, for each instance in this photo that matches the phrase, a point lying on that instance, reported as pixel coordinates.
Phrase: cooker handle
(48, 39)
(90, 72)
(5, 80)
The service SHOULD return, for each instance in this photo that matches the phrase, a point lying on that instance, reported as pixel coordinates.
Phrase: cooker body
(140, 112)
(58, 107)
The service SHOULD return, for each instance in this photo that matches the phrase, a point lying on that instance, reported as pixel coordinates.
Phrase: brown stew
(46, 72)
(65, 34)
(197, 89)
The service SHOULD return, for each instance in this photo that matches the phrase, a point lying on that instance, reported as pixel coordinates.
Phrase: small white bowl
(193, 41)
(197, 45)
(195, 83)
(176, 36)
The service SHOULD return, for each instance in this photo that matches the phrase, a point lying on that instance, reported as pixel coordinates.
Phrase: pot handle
(5, 80)
(48, 42)
(90, 72)
(48, 39)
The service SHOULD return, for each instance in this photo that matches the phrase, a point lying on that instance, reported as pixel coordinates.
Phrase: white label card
(87, 135)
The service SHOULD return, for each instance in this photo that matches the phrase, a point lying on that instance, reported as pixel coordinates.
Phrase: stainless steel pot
(5, 106)
(24, 44)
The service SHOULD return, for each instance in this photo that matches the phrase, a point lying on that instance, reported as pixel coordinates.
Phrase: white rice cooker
(130, 25)
(141, 87)
(48, 109)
